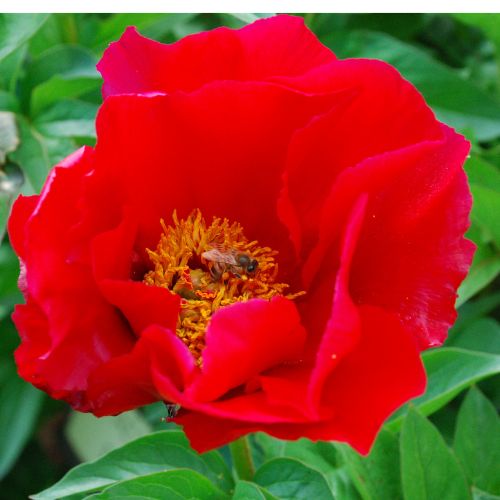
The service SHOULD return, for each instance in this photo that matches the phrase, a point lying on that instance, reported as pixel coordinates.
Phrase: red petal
(126, 382)
(112, 251)
(30, 318)
(380, 112)
(233, 136)
(141, 304)
(206, 432)
(247, 408)
(341, 333)
(22, 209)
(243, 340)
(58, 281)
(410, 260)
(287, 387)
(280, 45)
(420, 253)
(123, 383)
(376, 378)
(381, 374)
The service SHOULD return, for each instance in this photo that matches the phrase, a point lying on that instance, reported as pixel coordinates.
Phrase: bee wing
(215, 255)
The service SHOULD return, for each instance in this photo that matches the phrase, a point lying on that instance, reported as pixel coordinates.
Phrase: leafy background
(445, 445)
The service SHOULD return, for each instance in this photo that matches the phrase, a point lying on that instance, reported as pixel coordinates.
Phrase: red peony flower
(264, 235)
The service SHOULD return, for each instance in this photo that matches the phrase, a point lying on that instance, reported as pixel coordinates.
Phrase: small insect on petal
(172, 410)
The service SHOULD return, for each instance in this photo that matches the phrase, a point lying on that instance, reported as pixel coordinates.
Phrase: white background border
(291, 6)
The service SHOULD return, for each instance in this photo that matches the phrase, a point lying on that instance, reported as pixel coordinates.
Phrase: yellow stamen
(217, 279)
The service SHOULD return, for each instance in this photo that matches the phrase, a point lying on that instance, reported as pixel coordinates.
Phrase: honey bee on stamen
(221, 261)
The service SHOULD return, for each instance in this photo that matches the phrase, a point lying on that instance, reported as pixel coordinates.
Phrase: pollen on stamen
(210, 266)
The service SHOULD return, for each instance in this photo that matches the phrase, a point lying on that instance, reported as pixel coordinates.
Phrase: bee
(220, 261)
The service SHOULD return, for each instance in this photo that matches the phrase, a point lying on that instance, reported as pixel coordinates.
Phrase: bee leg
(216, 272)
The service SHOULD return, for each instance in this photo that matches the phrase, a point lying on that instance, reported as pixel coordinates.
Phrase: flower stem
(242, 458)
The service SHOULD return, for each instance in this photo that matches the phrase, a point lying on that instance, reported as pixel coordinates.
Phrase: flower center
(210, 266)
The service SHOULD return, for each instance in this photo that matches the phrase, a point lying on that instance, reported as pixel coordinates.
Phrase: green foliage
(20, 403)
(178, 484)
(378, 475)
(16, 29)
(250, 491)
(484, 179)
(38, 153)
(288, 478)
(140, 458)
(428, 467)
(477, 441)
(449, 371)
(488, 23)
(482, 334)
(49, 97)
(20, 406)
(321, 455)
(91, 437)
(454, 100)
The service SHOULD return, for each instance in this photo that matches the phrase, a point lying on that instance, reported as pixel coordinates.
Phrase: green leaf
(484, 179)
(455, 100)
(68, 118)
(11, 181)
(8, 102)
(68, 61)
(174, 484)
(11, 67)
(21, 402)
(250, 491)
(449, 371)
(9, 272)
(320, 455)
(342, 485)
(376, 476)
(151, 24)
(475, 309)
(19, 410)
(49, 35)
(37, 154)
(238, 20)
(428, 467)
(11, 178)
(91, 437)
(488, 23)
(482, 173)
(486, 209)
(59, 87)
(287, 478)
(61, 72)
(15, 29)
(246, 18)
(153, 453)
(481, 335)
(485, 268)
(403, 26)
(477, 441)
(482, 495)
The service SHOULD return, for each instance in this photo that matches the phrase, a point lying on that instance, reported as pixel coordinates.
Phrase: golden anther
(210, 266)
